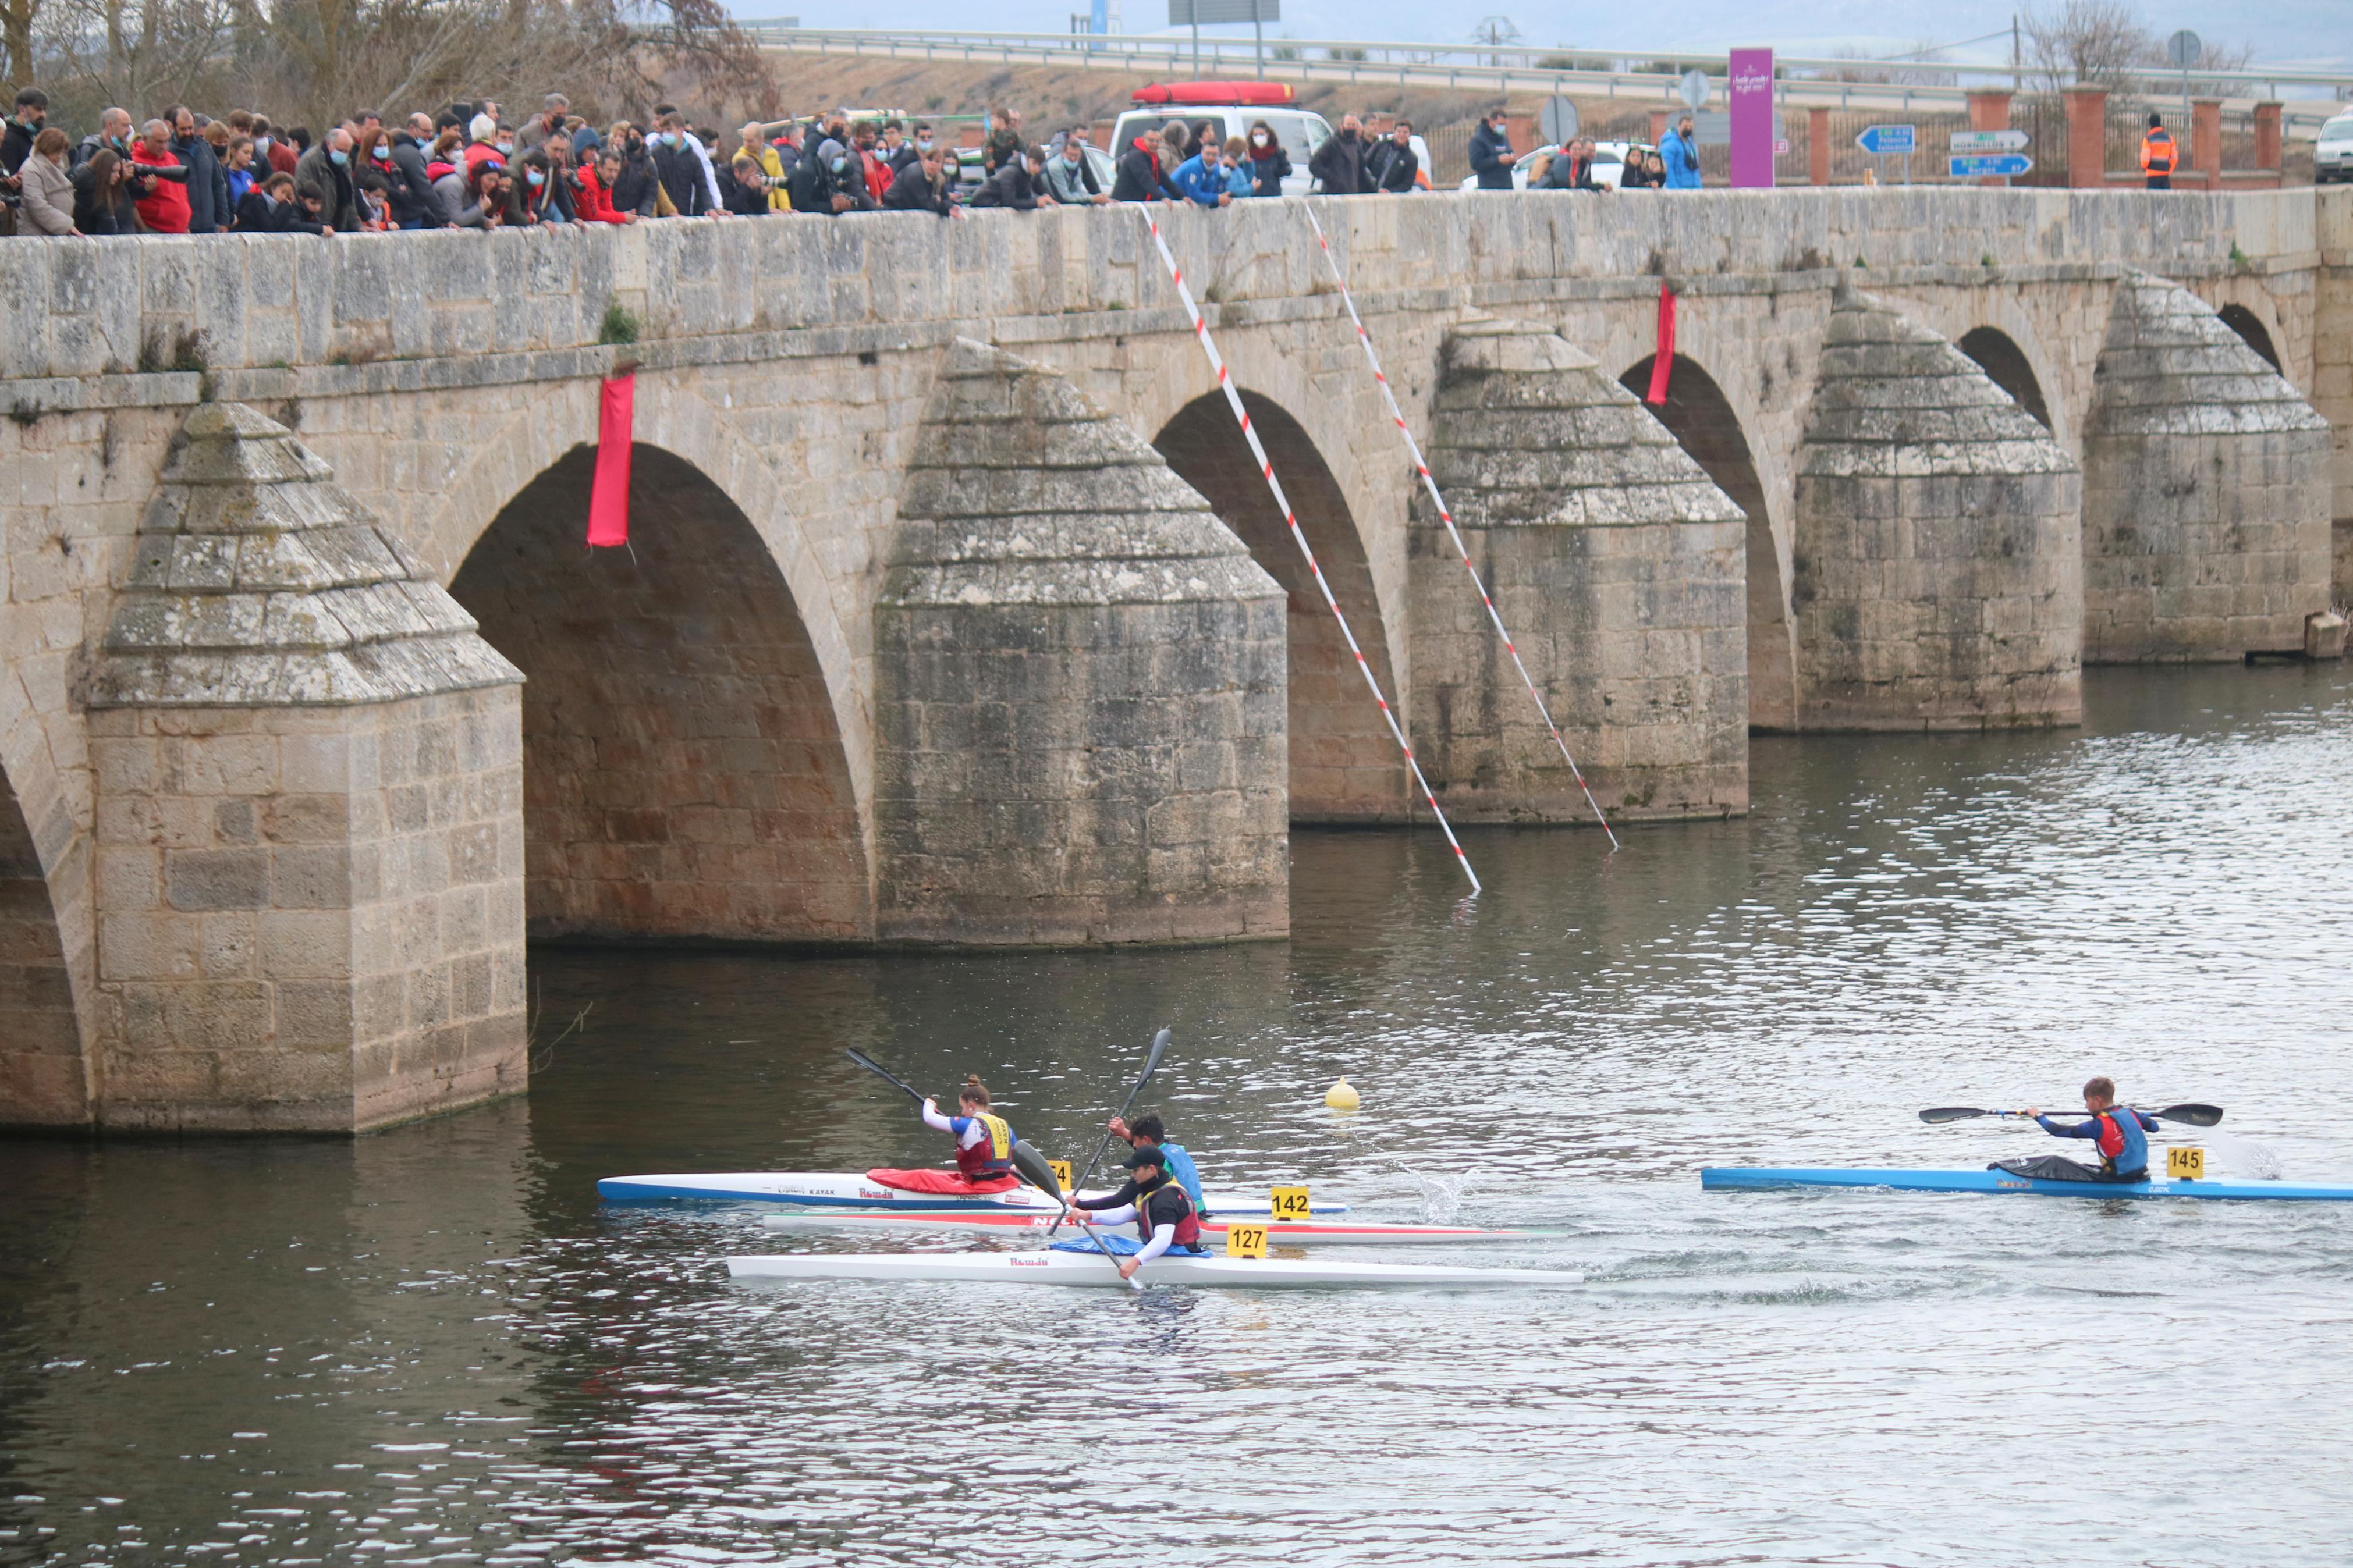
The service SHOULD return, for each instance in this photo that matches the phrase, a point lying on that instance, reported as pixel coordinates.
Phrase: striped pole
(1291, 520)
(1414, 448)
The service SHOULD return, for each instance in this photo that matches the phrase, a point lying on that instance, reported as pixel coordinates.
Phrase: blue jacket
(1240, 181)
(2130, 1149)
(1180, 1166)
(1198, 180)
(1681, 160)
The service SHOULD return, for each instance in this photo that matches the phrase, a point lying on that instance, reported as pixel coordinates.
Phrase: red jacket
(284, 159)
(591, 202)
(478, 153)
(164, 209)
(879, 175)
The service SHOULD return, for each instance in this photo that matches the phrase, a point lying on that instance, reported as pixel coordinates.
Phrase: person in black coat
(680, 172)
(1015, 183)
(415, 203)
(1142, 173)
(271, 208)
(1491, 154)
(633, 188)
(831, 182)
(104, 203)
(1269, 162)
(1339, 164)
(923, 186)
(206, 186)
(1389, 164)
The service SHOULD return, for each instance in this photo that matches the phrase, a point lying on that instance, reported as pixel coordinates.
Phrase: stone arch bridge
(956, 611)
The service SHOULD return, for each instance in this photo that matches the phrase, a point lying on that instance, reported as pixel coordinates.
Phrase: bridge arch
(2252, 330)
(1703, 423)
(1345, 765)
(684, 772)
(1997, 353)
(43, 1076)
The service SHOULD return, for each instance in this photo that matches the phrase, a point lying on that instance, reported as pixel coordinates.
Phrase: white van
(1232, 107)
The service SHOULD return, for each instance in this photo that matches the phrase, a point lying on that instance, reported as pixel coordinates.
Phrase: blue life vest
(1180, 1171)
(2123, 1146)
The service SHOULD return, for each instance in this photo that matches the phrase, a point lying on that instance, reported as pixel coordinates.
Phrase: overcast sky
(2282, 31)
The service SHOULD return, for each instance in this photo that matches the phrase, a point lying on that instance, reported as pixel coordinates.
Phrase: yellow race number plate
(1288, 1202)
(1061, 1169)
(1245, 1241)
(2185, 1164)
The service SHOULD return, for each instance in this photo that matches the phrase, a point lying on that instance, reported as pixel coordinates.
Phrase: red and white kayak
(853, 1191)
(1279, 1233)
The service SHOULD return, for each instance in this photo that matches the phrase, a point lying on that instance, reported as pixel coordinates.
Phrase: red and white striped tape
(1447, 516)
(1291, 520)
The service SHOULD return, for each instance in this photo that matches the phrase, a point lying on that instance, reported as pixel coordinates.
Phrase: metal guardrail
(1810, 81)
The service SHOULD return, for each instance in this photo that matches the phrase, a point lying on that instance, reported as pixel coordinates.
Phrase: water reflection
(433, 1344)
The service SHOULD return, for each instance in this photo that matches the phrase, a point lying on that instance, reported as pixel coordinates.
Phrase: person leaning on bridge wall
(1389, 164)
(923, 186)
(1338, 165)
(1679, 155)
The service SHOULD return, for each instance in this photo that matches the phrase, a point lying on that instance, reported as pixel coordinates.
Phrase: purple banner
(1752, 118)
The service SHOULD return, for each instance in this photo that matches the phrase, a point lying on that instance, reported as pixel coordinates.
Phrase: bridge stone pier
(956, 611)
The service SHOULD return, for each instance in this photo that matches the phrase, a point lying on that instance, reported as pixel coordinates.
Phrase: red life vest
(1188, 1229)
(991, 1157)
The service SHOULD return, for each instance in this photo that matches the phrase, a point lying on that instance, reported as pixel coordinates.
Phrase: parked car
(2332, 156)
(971, 175)
(1231, 107)
(1608, 163)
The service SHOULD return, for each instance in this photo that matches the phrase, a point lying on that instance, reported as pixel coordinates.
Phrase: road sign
(1695, 88)
(1989, 141)
(1214, 13)
(1982, 165)
(1712, 127)
(1885, 139)
(2183, 49)
(1557, 120)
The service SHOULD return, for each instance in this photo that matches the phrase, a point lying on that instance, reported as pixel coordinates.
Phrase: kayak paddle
(887, 1075)
(1034, 1166)
(1151, 1065)
(2188, 1115)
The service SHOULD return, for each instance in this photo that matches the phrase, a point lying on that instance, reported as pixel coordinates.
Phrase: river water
(434, 1344)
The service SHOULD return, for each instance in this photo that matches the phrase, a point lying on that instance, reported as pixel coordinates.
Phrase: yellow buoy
(1340, 1096)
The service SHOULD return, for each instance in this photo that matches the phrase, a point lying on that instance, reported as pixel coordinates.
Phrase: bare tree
(2091, 43)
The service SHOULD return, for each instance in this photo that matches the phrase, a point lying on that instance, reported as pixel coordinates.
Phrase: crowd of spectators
(467, 166)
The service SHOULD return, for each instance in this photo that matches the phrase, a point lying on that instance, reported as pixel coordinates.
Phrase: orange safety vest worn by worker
(2157, 151)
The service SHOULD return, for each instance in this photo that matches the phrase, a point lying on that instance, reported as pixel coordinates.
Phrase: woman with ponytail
(983, 1141)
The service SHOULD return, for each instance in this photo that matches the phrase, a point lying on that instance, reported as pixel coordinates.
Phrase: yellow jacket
(773, 167)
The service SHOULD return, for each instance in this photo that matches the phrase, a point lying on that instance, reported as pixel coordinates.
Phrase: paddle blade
(1152, 1061)
(2190, 1115)
(1034, 1169)
(1954, 1114)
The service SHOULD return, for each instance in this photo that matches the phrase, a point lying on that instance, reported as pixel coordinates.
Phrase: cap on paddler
(1149, 1154)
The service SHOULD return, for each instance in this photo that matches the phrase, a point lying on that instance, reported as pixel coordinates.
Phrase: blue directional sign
(1980, 166)
(1885, 139)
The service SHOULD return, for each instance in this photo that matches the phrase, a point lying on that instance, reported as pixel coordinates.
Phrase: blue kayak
(1724, 1178)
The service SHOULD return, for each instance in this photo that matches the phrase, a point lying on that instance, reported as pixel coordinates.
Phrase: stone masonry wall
(1618, 567)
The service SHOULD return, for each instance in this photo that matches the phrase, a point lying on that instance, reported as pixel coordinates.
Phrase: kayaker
(2119, 1132)
(1147, 1131)
(984, 1142)
(1164, 1218)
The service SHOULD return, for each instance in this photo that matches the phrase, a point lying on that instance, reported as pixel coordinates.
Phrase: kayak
(1073, 1268)
(1279, 1233)
(1737, 1177)
(853, 1190)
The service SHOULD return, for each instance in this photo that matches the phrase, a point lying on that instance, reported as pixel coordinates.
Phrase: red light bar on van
(1235, 92)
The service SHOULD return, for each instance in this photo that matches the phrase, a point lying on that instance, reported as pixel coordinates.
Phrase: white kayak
(854, 1190)
(1087, 1270)
(1279, 1233)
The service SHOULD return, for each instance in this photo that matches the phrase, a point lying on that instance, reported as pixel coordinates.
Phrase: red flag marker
(608, 498)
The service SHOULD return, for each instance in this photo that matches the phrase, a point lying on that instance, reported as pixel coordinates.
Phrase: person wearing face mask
(1235, 166)
(924, 140)
(415, 203)
(531, 199)
(1491, 153)
(1069, 178)
(1269, 162)
(1202, 179)
(831, 182)
(272, 148)
(1389, 164)
(489, 189)
(676, 166)
(667, 116)
(324, 175)
(25, 125)
(1338, 165)
(113, 133)
(923, 186)
(634, 184)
